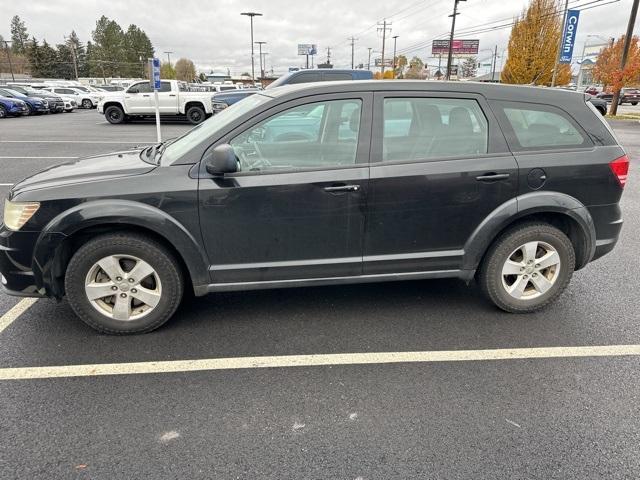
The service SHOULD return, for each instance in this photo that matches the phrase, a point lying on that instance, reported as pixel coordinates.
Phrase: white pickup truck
(138, 101)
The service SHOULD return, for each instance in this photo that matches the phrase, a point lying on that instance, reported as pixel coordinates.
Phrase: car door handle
(492, 177)
(145, 95)
(171, 95)
(342, 188)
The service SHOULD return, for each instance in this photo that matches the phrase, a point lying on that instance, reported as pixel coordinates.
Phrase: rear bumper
(608, 223)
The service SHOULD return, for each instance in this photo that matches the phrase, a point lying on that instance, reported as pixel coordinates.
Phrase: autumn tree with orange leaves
(533, 46)
(607, 68)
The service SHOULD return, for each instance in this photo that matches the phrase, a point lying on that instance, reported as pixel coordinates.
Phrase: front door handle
(172, 95)
(342, 188)
(492, 177)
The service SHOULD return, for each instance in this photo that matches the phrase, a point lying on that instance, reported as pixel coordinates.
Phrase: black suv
(327, 183)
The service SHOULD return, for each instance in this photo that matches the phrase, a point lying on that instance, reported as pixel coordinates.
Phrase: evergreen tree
(32, 51)
(138, 49)
(19, 35)
(108, 46)
(469, 67)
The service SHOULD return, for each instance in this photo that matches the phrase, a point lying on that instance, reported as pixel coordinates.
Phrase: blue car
(12, 106)
(34, 104)
(220, 101)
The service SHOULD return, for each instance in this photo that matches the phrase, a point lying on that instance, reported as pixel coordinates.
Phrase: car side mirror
(222, 159)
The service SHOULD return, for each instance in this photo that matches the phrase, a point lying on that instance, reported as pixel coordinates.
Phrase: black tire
(3, 112)
(86, 103)
(603, 111)
(130, 244)
(196, 115)
(490, 272)
(114, 114)
(634, 103)
(29, 110)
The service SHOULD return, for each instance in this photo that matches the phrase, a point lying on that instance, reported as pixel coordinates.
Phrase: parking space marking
(179, 366)
(17, 310)
(74, 141)
(27, 158)
(5, 184)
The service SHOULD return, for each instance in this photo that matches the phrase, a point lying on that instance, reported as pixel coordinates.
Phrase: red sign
(460, 47)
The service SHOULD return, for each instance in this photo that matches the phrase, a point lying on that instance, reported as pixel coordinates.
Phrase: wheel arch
(560, 210)
(65, 233)
(113, 103)
(194, 103)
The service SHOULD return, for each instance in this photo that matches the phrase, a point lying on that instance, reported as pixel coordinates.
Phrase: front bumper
(17, 277)
(18, 110)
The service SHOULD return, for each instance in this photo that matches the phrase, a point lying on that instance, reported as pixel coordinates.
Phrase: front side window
(425, 128)
(542, 127)
(320, 134)
(142, 87)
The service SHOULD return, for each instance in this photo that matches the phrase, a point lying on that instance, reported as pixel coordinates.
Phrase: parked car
(12, 107)
(321, 75)
(56, 104)
(110, 88)
(592, 90)
(138, 101)
(220, 101)
(600, 104)
(81, 98)
(514, 186)
(34, 105)
(69, 105)
(627, 95)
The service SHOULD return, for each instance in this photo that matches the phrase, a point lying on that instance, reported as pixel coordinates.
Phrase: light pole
(453, 28)
(251, 15)
(169, 57)
(395, 42)
(260, 53)
(369, 60)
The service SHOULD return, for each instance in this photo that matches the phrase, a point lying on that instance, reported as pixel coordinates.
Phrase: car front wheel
(86, 103)
(527, 268)
(123, 284)
(196, 115)
(114, 114)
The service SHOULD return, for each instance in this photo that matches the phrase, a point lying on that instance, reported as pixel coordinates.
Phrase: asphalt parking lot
(305, 409)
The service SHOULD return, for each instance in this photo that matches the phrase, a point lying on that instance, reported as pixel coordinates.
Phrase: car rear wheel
(29, 110)
(86, 103)
(527, 268)
(114, 114)
(196, 115)
(123, 284)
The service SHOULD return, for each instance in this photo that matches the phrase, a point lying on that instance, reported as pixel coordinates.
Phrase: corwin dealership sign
(569, 36)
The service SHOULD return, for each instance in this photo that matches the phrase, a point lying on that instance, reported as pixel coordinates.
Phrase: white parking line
(49, 158)
(77, 141)
(28, 373)
(5, 184)
(17, 310)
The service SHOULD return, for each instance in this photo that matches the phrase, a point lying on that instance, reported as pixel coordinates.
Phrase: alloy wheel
(531, 270)
(123, 287)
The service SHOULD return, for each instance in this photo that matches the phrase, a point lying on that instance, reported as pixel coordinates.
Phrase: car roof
(488, 90)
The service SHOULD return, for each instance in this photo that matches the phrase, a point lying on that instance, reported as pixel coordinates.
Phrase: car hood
(88, 169)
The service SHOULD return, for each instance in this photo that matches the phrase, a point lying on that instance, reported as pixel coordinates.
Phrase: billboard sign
(569, 36)
(307, 49)
(388, 62)
(460, 47)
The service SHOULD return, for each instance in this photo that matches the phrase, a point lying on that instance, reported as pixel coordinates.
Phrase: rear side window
(542, 126)
(424, 128)
(165, 87)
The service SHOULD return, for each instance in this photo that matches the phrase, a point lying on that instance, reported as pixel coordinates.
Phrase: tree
(19, 35)
(401, 63)
(607, 68)
(469, 67)
(34, 57)
(533, 46)
(185, 70)
(167, 72)
(138, 49)
(108, 45)
(416, 66)
(202, 77)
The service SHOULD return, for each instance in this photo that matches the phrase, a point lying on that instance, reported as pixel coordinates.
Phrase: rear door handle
(171, 95)
(492, 177)
(342, 188)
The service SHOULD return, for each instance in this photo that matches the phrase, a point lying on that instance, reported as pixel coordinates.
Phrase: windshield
(209, 128)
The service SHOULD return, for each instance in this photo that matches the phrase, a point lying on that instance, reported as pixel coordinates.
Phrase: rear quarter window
(537, 127)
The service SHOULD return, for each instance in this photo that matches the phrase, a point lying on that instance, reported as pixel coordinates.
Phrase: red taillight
(620, 168)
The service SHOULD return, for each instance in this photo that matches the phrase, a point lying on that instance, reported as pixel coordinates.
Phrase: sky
(216, 37)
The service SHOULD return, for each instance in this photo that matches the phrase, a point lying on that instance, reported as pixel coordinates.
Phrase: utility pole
(353, 43)
(6, 45)
(328, 55)
(384, 36)
(251, 15)
(555, 64)
(495, 60)
(264, 63)
(369, 60)
(453, 29)
(625, 53)
(169, 57)
(395, 41)
(260, 53)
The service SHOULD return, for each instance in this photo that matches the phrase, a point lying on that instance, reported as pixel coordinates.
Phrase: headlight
(16, 214)
(219, 105)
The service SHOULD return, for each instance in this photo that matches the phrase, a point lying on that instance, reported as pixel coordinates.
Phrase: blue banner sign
(155, 66)
(569, 36)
